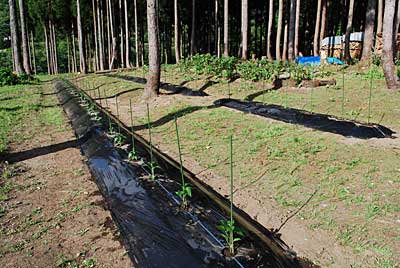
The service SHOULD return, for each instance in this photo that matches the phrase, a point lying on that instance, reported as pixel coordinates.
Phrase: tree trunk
(75, 65)
(285, 43)
(33, 53)
(51, 49)
(30, 52)
(136, 37)
(297, 27)
(113, 48)
(176, 31)
(193, 34)
(269, 30)
(127, 49)
(216, 29)
(292, 26)
(109, 39)
(226, 28)
(55, 51)
(380, 16)
(121, 30)
(96, 51)
(396, 30)
(349, 29)
(279, 32)
(68, 55)
(82, 58)
(389, 68)
(245, 27)
(369, 31)
(14, 37)
(24, 33)
(153, 81)
(46, 41)
(324, 9)
(100, 38)
(317, 28)
(142, 54)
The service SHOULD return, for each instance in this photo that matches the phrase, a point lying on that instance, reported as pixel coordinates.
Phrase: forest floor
(51, 212)
(337, 197)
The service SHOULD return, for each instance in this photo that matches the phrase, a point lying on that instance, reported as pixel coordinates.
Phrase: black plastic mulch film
(155, 230)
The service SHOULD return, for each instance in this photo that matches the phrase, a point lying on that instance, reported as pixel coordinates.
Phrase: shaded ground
(336, 197)
(51, 213)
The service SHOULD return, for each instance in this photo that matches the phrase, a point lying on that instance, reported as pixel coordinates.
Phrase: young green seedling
(152, 165)
(186, 190)
(229, 231)
(132, 154)
(119, 139)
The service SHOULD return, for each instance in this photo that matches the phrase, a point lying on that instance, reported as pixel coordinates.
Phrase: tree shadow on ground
(36, 107)
(119, 93)
(277, 84)
(321, 122)
(32, 153)
(171, 116)
(174, 89)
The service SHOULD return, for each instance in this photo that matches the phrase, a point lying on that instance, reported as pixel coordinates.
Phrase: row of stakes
(229, 231)
(311, 93)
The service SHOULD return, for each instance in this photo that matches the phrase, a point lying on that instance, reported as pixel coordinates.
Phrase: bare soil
(55, 215)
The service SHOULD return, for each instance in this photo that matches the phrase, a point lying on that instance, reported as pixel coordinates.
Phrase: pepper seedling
(132, 154)
(229, 231)
(186, 190)
(152, 165)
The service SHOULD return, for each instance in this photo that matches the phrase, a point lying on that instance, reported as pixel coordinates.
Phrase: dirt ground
(54, 215)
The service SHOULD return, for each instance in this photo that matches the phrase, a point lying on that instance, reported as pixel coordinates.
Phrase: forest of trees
(93, 35)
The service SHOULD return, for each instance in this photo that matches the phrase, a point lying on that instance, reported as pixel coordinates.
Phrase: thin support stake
(229, 90)
(343, 93)
(179, 150)
(263, 88)
(98, 90)
(149, 127)
(105, 96)
(231, 234)
(369, 98)
(116, 102)
(133, 138)
(231, 175)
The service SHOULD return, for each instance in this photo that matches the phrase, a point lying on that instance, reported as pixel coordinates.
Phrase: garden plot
(286, 169)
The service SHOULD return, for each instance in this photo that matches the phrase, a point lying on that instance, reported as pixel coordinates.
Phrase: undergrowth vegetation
(8, 78)
(254, 70)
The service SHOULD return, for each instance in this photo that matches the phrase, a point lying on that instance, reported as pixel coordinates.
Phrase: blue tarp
(316, 60)
(309, 60)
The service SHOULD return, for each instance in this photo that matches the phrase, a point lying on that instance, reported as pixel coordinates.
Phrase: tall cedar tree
(153, 82)
(176, 32)
(245, 26)
(82, 58)
(226, 28)
(14, 38)
(349, 29)
(292, 26)
(279, 31)
(24, 35)
(389, 68)
(369, 31)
